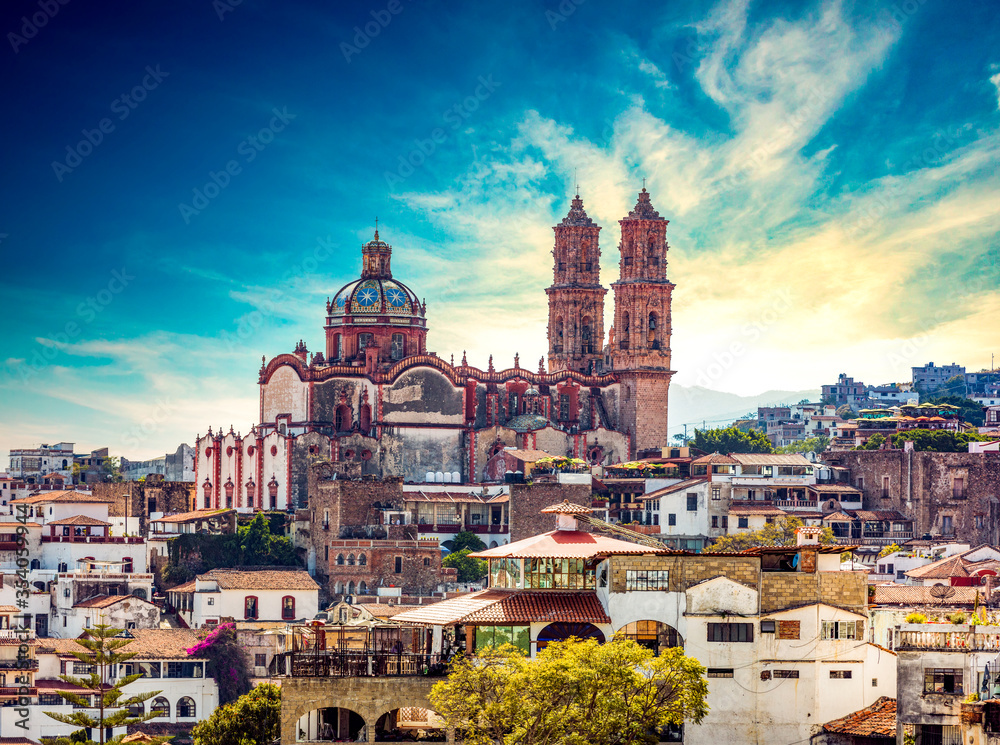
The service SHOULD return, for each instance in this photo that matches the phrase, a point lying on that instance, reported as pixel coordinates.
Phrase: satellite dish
(942, 591)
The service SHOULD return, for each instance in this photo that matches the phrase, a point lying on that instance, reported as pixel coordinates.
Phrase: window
(250, 610)
(720, 672)
(692, 501)
(427, 562)
(340, 559)
(885, 487)
(497, 636)
(184, 669)
(362, 560)
(260, 660)
(185, 708)
(767, 627)
(82, 668)
(671, 519)
(399, 565)
(147, 669)
(786, 673)
(842, 629)
(50, 699)
(398, 346)
(840, 674)
(642, 580)
(161, 705)
(946, 525)
(137, 710)
(942, 680)
(730, 632)
(716, 492)
(288, 608)
(210, 601)
(715, 521)
(365, 341)
(564, 406)
(743, 522)
(958, 488)
(725, 521)
(861, 483)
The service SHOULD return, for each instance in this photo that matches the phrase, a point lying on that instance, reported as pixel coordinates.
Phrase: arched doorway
(653, 635)
(331, 724)
(558, 632)
(410, 724)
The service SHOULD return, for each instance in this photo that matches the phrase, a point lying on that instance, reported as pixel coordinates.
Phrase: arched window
(137, 709)
(186, 708)
(288, 608)
(65, 464)
(350, 587)
(365, 418)
(36, 564)
(558, 341)
(140, 593)
(338, 347)
(365, 341)
(338, 588)
(623, 339)
(127, 565)
(587, 335)
(160, 705)
(340, 560)
(362, 588)
(207, 487)
(251, 488)
(651, 331)
(250, 608)
(229, 486)
(343, 418)
(63, 567)
(350, 560)
(362, 559)
(398, 346)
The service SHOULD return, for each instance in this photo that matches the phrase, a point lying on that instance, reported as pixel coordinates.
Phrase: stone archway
(370, 698)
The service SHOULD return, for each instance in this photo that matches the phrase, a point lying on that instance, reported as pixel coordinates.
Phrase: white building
(685, 514)
(246, 595)
(93, 582)
(36, 462)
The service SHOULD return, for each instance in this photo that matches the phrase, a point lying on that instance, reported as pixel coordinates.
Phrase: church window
(365, 417)
(651, 333)
(398, 346)
(627, 261)
(586, 334)
(623, 342)
(564, 406)
(365, 341)
(338, 346)
(343, 418)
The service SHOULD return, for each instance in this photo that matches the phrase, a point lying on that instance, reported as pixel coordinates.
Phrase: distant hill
(696, 404)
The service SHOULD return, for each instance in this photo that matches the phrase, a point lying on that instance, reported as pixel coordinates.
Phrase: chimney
(808, 535)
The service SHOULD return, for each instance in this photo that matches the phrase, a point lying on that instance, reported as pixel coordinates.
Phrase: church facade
(375, 402)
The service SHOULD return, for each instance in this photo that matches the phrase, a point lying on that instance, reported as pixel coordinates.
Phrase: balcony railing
(15, 692)
(441, 528)
(90, 539)
(951, 638)
(31, 664)
(357, 664)
(16, 634)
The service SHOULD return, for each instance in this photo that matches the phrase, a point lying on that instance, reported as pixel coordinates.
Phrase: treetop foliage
(779, 533)
(731, 440)
(252, 719)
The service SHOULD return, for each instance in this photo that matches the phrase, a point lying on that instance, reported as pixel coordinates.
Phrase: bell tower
(641, 350)
(576, 297)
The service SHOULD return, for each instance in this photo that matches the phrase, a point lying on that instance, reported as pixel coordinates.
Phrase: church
(374, 401)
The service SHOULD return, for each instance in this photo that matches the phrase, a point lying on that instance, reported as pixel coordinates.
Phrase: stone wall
(781, 590)
(368, 697)
(138, 499)
(527, 501)
(921, 486)
(686, 571)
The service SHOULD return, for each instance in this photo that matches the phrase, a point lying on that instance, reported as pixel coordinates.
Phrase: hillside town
(392, 510)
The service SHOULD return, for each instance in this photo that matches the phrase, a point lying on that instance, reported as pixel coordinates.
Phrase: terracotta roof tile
(755, 509)
(567, 544)
(883, 515)
(185, 517)
(833, 489)
(687, 484)
(384, 610)
(877, 720)
(261, 579)
(714, 458)
(527, 606)
(161, 644)
(528, 456)
(79, 520)
(452, 610)
(566, 508)
(770, 459)
(917, 595)
(63, 496)
(105, 601)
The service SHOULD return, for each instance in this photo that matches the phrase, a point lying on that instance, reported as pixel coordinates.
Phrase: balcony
(90, 539)
(30, 664)
(16, 634)
(946, 638)
(358, 664)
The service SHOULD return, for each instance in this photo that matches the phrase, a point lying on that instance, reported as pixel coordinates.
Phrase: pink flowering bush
(226, 662)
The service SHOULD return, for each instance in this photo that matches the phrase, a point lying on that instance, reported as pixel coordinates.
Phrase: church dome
(376, 292)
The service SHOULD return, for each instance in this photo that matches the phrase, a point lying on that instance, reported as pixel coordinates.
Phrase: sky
(186, 182)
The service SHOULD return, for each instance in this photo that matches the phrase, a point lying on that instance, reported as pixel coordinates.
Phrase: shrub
(957, 618)
(916, 618)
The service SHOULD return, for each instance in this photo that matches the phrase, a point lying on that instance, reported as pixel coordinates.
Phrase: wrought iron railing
(359, 664)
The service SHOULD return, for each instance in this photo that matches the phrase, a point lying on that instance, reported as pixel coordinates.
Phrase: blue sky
(829, 170)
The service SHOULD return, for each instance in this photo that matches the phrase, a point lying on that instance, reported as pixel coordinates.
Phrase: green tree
(465, 539)
(889, 550)
(952, 387)
(809, 445)
(572, 693)
(252, 719)
(469, 569)
(111, 469)
(731, 440)
(255, 542)
(846, 412)
(926, 440)
(778, 533)
(100, 648)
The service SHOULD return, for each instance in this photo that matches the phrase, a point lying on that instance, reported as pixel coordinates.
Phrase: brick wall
(780, 590)
(420, 571)
(131, 498)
